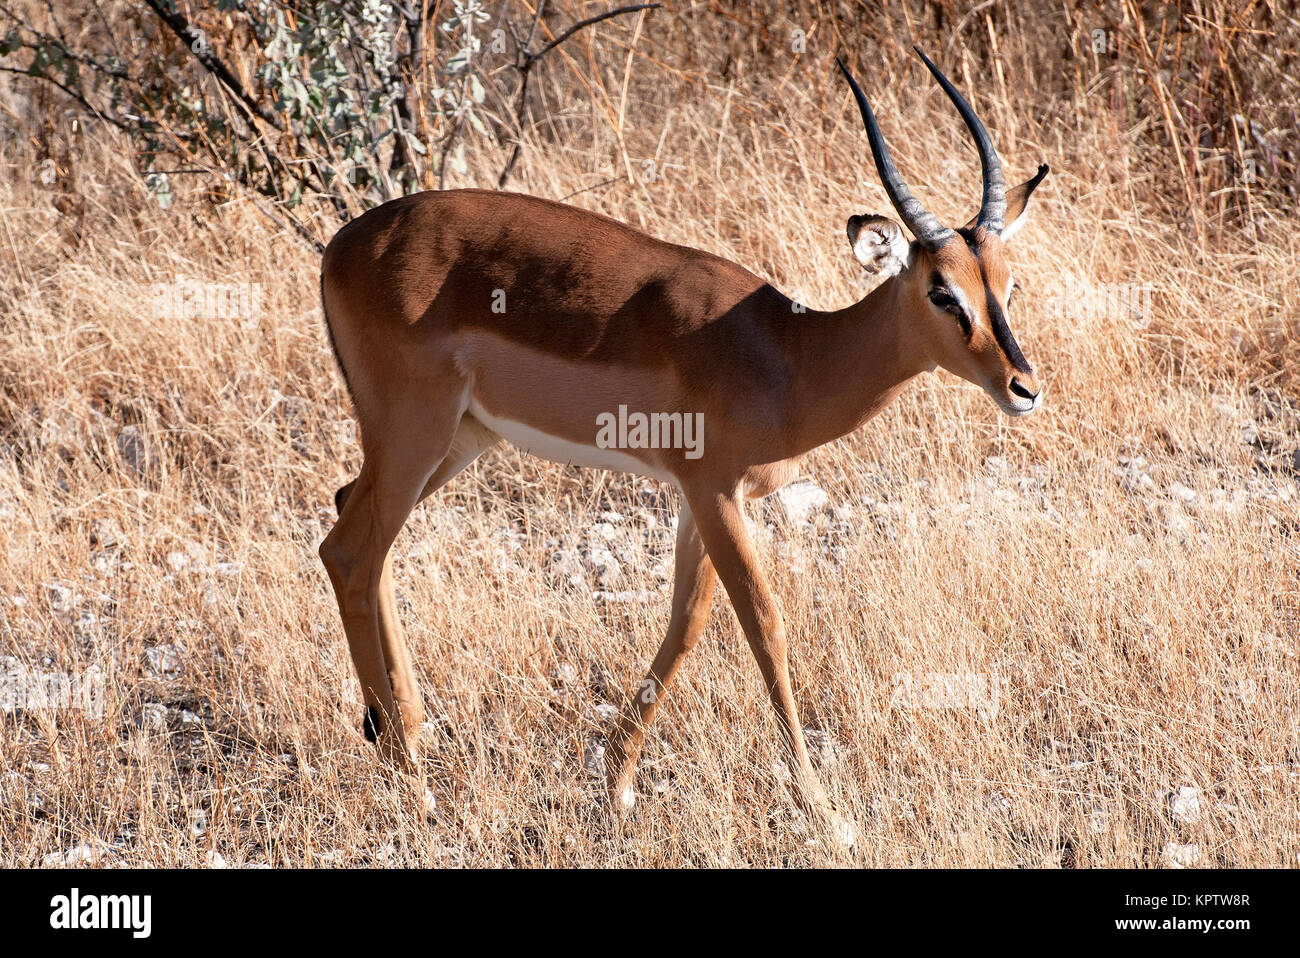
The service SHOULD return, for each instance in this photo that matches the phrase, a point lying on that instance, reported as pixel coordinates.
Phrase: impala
(463, 317)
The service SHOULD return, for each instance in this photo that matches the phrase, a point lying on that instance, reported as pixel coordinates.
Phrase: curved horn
(993, 208)
(923, 224)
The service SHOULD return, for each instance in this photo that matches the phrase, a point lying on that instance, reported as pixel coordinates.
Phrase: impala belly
(564, 451)
(551, 407)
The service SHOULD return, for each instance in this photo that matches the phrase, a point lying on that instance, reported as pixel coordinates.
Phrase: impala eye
(944, 300)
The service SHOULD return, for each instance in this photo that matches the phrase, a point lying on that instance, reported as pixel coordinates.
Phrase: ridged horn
(993, 207)
(924, 225)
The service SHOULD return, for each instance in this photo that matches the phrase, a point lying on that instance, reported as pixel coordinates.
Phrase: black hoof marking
(370, 724)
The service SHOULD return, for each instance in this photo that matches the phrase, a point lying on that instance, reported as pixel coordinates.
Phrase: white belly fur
(563, 451)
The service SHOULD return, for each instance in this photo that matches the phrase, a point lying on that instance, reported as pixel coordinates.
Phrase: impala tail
(334, 345)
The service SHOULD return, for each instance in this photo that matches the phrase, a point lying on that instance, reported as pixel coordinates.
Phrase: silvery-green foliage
(328, 107)
(351, 102)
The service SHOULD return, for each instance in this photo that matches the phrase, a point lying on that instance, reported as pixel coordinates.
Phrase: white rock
(566, 564)
(1179, 526)
(153, 717)
(213, 859)
(61, 597)
(83, 854)
(999, 803)
(605, 565)
(1246, 691)
(594, 760)
(107, 534)
(802, 500)
(131, 447)
(566, 673)
(1185, 805)
(624, 596)
(606, 712)
(1181, 856)
(163, 659)
(1181, 492)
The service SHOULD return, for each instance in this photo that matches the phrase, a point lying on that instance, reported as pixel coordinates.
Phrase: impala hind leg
(693, 582)
(392, 641)
(400, 461)
(721, 522)
(471, 440)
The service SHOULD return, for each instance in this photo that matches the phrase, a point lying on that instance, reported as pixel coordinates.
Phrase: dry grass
(1120, 569)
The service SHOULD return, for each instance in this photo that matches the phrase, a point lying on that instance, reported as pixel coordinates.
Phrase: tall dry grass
(1116, 577)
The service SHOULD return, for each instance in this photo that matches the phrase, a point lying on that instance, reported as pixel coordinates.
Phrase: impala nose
(1024, 392)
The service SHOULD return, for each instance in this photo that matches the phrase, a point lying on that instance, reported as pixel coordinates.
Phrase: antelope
(463, 317)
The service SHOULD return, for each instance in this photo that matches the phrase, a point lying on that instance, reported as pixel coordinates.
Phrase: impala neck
(851, 363)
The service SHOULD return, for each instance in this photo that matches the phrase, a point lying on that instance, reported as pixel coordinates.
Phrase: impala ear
(878, 244)
(1018, 203)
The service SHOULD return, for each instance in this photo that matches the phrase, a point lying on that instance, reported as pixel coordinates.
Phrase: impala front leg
(693, 582)
(721, 522)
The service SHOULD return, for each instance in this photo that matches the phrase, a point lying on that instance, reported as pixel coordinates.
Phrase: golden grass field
(1064, 641)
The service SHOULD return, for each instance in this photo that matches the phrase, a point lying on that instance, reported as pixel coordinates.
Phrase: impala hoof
(397, 751)
(395, 744)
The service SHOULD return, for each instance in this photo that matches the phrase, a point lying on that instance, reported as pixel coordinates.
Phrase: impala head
(956, 283)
